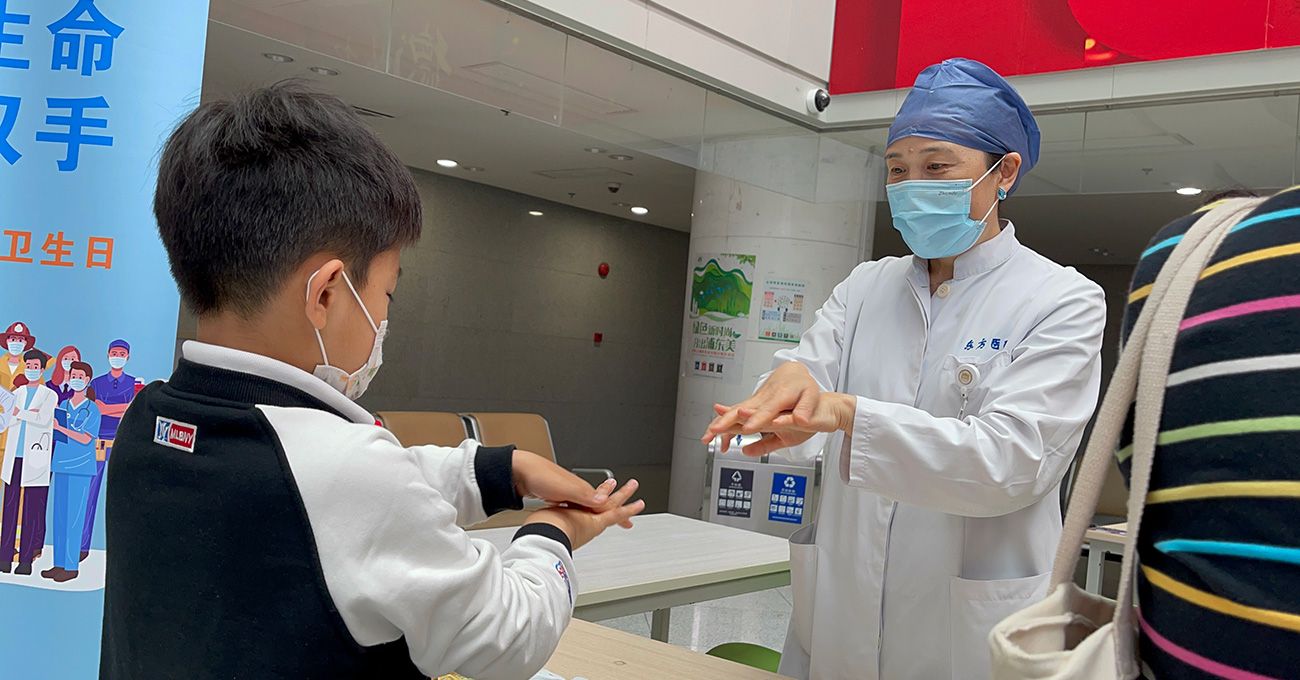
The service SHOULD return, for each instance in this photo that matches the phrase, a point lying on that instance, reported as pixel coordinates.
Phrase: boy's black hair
(249, 188)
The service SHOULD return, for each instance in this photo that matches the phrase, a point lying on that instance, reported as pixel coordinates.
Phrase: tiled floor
(760, 618)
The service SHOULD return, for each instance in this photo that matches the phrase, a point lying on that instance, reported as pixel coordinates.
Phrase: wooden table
(1102, 540)
(594, 652)
(667, 561)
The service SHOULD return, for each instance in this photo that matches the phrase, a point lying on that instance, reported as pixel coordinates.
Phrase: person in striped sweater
(1219, 581)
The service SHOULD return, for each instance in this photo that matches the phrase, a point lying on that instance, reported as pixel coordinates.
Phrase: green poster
(722, 287)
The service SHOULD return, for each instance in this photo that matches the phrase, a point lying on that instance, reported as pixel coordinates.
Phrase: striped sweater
(1219, 582)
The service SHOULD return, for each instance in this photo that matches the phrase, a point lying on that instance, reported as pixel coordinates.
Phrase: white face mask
(16, 348)
(351, 385)
(67, 365)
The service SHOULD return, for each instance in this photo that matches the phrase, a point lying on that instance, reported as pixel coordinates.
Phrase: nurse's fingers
(724, 422)
(790, 423)
(806, 408)
(774, 401)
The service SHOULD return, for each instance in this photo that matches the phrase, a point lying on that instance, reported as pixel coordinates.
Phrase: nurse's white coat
(937, 519)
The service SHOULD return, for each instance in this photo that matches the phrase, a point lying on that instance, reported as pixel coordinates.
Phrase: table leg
(659, 624)
(1096, 560)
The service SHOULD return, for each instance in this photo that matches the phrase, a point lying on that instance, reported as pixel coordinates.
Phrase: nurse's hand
(790, 389)
(834, 412)
(582, 525)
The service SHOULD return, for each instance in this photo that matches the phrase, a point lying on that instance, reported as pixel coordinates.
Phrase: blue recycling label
(788, 495)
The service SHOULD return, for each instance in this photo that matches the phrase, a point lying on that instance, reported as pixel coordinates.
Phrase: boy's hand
(537, 477)
(581, 525)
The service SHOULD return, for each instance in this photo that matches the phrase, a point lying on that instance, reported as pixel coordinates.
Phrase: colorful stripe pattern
(1252, 551)
(1195, 660)
(1220, 542)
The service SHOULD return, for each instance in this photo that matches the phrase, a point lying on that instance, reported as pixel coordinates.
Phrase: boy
(260, 523)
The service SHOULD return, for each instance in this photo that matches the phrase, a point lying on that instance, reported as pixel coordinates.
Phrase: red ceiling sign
(884, 44)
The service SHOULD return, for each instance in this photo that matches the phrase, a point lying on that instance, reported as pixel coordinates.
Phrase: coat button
(943, 290)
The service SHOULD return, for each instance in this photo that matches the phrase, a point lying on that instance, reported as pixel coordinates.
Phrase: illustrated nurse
(949, 391)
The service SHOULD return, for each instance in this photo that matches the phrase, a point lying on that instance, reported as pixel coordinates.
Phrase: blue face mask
(117, 362)
(934, 215)
(32, 374)
(77, 384)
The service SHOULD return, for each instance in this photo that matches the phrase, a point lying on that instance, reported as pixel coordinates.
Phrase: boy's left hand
(538, 477)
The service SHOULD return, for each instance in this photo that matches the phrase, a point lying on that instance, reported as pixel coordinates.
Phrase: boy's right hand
(582, 525)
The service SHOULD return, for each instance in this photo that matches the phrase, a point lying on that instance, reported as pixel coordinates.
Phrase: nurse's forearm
(984, 466)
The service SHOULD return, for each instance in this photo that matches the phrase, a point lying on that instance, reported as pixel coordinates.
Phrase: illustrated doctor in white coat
(954, 386)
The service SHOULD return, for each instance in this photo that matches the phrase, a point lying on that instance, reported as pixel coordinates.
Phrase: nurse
(72, 467)
(949, 391)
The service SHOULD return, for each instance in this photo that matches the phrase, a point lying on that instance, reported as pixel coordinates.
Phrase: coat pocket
(803, 583)
(975, 607)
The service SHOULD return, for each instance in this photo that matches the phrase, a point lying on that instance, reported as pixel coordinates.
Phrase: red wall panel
(884, 44)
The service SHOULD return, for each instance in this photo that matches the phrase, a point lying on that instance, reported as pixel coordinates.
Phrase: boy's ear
(321, 286)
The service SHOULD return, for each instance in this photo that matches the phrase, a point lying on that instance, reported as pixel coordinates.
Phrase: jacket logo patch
(175, 434)
(559, 569)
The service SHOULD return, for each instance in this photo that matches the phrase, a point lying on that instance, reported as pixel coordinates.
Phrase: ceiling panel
(428, 124)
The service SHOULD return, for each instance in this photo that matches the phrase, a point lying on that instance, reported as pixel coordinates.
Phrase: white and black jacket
(292, 537)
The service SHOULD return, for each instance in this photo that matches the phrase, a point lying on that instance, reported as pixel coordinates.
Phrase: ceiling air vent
(370, 113)
(584, 173)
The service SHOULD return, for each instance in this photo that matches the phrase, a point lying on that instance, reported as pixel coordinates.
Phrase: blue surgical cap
(967, 103)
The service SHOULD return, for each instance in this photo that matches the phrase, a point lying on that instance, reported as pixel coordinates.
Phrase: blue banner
(89, 90)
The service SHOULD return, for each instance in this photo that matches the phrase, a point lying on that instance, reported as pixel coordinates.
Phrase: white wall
(774, 50)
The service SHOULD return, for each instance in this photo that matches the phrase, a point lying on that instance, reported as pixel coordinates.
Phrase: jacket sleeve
(1011, 453)
(397, 565)
(819, 350)
(477, 480)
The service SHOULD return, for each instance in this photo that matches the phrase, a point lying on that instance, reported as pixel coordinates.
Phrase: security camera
(818, 100)
(613, 187)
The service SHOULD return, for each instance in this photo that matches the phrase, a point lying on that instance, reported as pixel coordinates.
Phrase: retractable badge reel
(968, 376)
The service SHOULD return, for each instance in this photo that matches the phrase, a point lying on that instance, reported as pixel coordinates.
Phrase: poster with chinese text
(89, 91)
(722, 286)
(781, 310)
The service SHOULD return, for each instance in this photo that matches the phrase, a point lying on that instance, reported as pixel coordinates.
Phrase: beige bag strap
(1121, 392)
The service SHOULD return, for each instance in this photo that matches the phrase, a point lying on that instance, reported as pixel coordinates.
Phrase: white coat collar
(272, 369)
(984, 257)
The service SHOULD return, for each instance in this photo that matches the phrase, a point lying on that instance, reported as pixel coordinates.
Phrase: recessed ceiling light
(535, 213)
(621, 204)
(447, 163)
(471, 168)
(1102, 252)
(323, 71)
(595, 149)
(638, 210)
(1189, 191)
(620, 157)
(278, 58)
